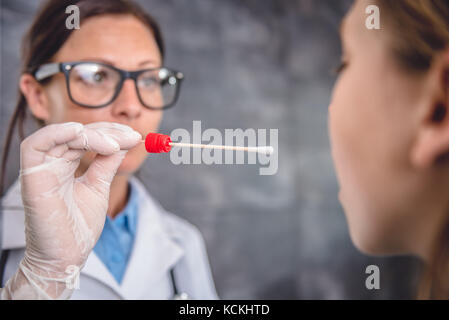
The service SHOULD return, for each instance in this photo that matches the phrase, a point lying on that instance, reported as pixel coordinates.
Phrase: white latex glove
(64, 215)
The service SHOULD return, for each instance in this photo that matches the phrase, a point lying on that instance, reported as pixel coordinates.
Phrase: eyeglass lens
(94, 85)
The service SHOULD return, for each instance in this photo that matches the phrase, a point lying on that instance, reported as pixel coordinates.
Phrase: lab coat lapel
(94, 268)
(154, 252)
(13, 216)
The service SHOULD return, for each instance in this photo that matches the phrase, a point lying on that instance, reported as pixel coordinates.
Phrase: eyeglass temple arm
(47, 70)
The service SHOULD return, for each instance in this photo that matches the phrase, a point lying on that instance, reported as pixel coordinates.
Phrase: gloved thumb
(102, 170)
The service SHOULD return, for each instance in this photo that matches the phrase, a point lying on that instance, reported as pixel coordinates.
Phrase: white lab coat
(163, 241)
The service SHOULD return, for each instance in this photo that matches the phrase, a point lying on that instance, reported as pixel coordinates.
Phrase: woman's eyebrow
(102, 60)
(147, 62)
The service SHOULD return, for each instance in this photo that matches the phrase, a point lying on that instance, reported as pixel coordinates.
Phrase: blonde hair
(420, 30)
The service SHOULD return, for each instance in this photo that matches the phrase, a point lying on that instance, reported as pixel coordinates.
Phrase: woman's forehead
(121, 40)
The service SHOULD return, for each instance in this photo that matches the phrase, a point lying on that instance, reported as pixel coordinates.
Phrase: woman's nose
(127, 103)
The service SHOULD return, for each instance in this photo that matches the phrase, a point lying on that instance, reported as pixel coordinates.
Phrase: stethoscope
(3, 259)
(177, 295)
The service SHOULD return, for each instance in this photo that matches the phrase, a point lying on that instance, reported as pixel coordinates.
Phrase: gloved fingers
(72, 154)
(106, 138)
(102, 170)
(117, 131)
(35, 147)
(58, 151)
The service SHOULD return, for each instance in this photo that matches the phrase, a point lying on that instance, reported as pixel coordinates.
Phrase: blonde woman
(389, 129)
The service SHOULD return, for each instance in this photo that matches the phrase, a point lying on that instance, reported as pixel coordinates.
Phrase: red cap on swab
(157, 143)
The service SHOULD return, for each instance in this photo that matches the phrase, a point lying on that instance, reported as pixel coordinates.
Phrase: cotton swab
(157, 143)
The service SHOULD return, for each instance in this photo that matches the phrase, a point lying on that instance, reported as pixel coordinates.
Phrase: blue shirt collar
(127, 218)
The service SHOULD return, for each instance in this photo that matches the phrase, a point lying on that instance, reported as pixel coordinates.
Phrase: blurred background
(249, 64)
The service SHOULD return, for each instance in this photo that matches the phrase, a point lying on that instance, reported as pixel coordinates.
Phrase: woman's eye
(148, 82)
(99, 76)
(93, 78)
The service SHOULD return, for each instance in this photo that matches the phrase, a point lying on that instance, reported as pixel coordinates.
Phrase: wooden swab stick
(266, 150)
(157, 143)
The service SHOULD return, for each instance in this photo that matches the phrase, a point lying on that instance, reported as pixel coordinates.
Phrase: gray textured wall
(250, 64)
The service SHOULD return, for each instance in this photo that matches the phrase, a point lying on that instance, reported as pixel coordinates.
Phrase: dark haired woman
(95, 91)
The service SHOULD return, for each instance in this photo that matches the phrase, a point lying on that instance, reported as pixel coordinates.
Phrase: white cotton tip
(267, 150)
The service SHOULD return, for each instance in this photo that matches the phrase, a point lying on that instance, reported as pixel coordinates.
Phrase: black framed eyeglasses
(96, 84)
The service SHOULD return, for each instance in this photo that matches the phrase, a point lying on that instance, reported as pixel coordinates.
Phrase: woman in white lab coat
(108, 71)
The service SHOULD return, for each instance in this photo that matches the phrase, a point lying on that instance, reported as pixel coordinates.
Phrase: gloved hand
(64, 215)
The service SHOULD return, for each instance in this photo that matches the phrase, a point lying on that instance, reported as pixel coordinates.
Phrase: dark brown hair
(420, 30)
(48, 33)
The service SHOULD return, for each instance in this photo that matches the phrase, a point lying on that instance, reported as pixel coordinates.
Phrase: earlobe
(35, 96)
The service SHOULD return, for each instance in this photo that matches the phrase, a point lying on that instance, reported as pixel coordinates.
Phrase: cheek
(59, 101)
(148, 121)
(349, 127)
(62, 109)
(371, 132)
(362, 151)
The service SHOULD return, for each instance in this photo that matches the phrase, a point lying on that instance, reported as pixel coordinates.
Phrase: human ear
(432, 143)
(36, 97)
